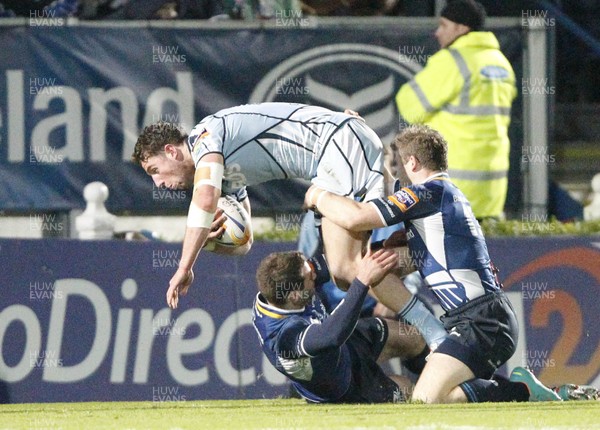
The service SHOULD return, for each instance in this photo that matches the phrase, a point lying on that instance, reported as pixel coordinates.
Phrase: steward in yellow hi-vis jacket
(465, 92)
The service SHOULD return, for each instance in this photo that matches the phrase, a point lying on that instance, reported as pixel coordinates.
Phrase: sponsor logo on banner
(371, 77)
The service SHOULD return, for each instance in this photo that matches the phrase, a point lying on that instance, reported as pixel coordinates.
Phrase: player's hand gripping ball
(238, 228)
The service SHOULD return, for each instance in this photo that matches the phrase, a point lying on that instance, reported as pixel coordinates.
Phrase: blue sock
(416, 314)
(499, 390)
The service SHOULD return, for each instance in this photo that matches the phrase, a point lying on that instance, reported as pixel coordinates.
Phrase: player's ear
(295, 297)
(415, 164)
(170, 150)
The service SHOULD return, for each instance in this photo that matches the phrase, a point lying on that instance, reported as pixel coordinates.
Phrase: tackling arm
(345, 212)
(337, 328)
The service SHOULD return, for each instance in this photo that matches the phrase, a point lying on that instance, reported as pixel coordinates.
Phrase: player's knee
(425, 396)
(341, 271)
(428, 392)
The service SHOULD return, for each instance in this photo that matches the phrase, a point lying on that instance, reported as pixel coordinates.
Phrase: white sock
(431, 328)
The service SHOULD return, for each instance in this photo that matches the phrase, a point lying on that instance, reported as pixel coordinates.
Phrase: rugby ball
(238, 227)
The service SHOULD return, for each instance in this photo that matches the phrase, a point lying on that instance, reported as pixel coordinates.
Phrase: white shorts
(352, 163)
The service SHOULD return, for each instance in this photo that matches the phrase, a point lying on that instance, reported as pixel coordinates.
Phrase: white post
(535, 89)
(95, 222)
(592, 211)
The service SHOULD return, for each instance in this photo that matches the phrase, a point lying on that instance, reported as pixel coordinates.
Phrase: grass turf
(295, 414)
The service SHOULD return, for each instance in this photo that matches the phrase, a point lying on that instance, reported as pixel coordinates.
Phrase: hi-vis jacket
(465, 92)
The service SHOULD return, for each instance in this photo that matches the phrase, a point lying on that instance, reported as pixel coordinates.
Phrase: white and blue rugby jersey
(281, 334)
(309, 346)
(266, 141)
(444, 239)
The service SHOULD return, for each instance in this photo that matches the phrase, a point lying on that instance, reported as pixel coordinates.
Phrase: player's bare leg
(392, 292)
(343, 250)
(440, 380)
(403, 341)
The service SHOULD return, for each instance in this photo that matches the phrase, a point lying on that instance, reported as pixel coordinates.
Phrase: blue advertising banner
(76, 97)
(84, 321)
(558, 280)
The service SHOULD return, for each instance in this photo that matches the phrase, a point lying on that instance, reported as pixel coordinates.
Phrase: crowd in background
(244, 9)
(214, 9)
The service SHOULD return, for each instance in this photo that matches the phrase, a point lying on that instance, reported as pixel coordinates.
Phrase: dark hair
(278, 274)
(153, 139)
(425, 144)
(466, 12)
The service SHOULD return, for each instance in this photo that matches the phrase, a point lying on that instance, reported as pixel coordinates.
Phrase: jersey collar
(273, 311)
(443, 176)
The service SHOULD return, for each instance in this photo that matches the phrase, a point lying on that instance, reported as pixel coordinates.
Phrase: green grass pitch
(293, 414)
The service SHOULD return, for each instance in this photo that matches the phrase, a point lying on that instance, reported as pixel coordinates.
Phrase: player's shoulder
(294, 323)
(428, 192)
(266, 108)
(208, 124)
(434, 187)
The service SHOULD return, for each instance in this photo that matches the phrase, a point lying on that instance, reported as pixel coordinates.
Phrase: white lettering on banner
(123, 335)
(148, 322)
(33, 341)
(71, 119)
(152, 324)
(16, 115)
(178, 347)
(226, 371)
(99, 99)
(95, 356)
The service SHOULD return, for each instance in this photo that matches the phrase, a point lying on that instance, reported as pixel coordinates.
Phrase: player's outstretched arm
(343, 211)
(335, 330)
(201, 215)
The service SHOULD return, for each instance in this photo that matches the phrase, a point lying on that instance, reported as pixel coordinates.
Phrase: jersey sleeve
(206, 138)
(415, 201)
(288, 340)
(337, 328)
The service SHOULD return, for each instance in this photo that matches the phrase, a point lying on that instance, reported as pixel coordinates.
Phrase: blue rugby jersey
(444, 239)
(262, 142)
(308, 346)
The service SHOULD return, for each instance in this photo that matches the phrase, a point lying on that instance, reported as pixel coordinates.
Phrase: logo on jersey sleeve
(195, 140)
(203, 134)
(405, 199)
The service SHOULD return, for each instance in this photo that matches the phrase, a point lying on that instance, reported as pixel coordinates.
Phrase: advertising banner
(87, 321)
(76, 97)
(83, 321)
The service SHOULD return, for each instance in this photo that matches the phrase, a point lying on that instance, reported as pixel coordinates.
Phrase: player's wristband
(198, 217)
(319, 265)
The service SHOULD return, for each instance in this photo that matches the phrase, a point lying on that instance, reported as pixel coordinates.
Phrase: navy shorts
(369, 383)
(483, 333)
